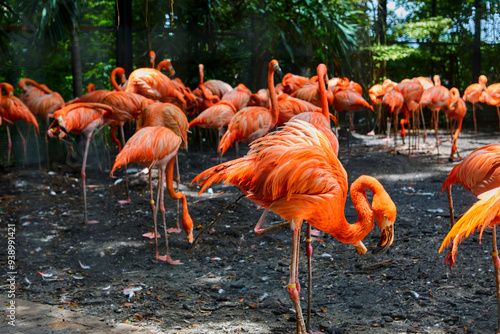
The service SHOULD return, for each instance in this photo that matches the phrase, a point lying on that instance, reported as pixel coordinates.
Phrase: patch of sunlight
(234, 326)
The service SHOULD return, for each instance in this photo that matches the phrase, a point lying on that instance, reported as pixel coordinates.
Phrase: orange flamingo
(349, 101)
(478, 173)
(152, 58)
(491, 96)
(456, 112)
(238, 96)
(393, 101)
(216, 87)
(291, 106)
(309, 92)
(261, 98)
(473, 93)
(90, 88)
(251, 123)
(292, 82)
(436, 98)
(154, 85)
(295, 173)
(32, 90)
(172, 117)
(126, 107)
(215, 117)
(156, 146)
(12, 109)
(78, 118)
(97, 96)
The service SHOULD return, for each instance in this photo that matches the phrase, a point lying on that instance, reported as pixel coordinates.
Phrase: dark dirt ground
(234, 281)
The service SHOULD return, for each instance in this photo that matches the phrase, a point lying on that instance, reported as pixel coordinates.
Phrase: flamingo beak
(386, 235)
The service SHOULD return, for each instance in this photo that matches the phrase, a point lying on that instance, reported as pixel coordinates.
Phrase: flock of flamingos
(292, 170)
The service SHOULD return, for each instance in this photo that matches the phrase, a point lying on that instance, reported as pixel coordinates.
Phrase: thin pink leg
(166, 257)
(177, 229)
(309, 250)
(24, 145)
(84, 163)
(37, 148)
(293, 283)
(496, 264)
(9, 146)
(124, 201)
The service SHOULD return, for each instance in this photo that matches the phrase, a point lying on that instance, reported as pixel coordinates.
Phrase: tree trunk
(124, 35)
(380, 27)
(476, 45)
(76, 64)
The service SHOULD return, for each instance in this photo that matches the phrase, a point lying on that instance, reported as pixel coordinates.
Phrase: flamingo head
(385, 212)
(483, 80)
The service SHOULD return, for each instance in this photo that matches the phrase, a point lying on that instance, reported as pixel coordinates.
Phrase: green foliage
(390, 52)
(430, 28)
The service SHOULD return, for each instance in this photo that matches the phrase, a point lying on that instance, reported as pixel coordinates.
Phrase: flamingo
(393, 101)
(295, 173)
(238, 96)
(154, 85)
(349, 101)
(12, 109)
(83, 118)
(436, 98)
(216, 87)
(479, 173)
(291, 106)
(44, 106)
(251, 123)
(215, 117)
(152, 58)
(126, 107)
(261, 98)
(472, 94)
(376, 93)
(309, 92)
(491, 96)
(412, 92)
(455, 111)
(292, 82)
(172, 117)
(156, 146)
(98, 96)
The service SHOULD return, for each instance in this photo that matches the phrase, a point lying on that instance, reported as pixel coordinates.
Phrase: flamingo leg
(451, 256)
(38, 148)
(496, 264)
(293, 284)
(9, 145)
(474, 117)
(178, 180)
(24, 144)
(498, 113)
(128, 200)
(99, 166)
(396, 116)
(423, 124)
(166, 257)
(309, 250)
(84, 163)
(47, 142)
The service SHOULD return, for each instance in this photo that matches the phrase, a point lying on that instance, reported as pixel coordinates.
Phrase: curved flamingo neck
(321, 70)
(43, 88)
(206, 95)
(8, 88)
(117, 71)
(152, 58)
(201, 68)
(354, 233)
(272, 92)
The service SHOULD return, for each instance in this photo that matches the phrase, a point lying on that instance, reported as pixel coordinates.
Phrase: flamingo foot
(441, 162)
(125, 201)
(315, 232)
(413, 156)
(168, 259)
(371, 133)
(387, 139)
(151, 235)
(174, 230)
(90, 222)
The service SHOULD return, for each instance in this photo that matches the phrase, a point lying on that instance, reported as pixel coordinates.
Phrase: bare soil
(233, 281)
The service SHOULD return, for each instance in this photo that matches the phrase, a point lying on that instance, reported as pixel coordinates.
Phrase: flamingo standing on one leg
(170, 116)
(472, 94)
(44, 106)
(12, 109)
(393, 101)
(456, 112)
(80, 118)
(436, 98)
(251, 123)
(479, 173)
(295, 173)
(156, 146)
